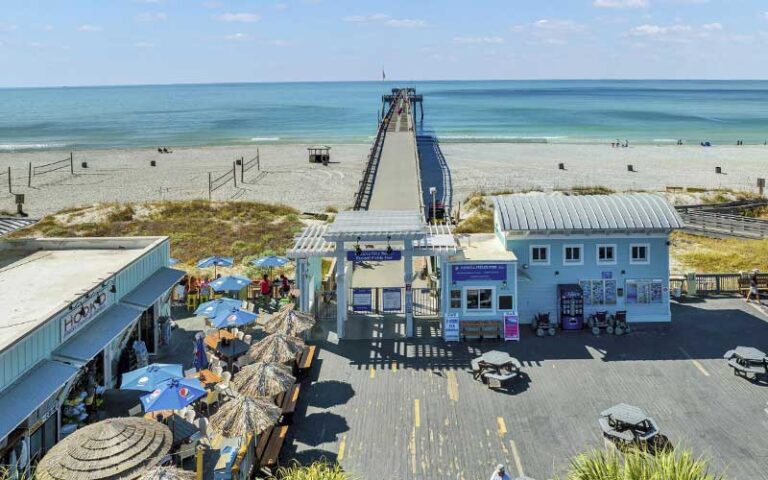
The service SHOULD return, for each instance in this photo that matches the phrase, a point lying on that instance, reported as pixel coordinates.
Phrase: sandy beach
(125, 175)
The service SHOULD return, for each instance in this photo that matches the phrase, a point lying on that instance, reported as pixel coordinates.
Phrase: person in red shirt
(265, 287)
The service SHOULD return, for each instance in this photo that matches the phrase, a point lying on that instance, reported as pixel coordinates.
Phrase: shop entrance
(147, 329)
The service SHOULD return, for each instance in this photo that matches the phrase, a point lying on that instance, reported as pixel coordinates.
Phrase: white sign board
(451, 327)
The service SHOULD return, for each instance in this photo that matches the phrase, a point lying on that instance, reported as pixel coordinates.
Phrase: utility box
(319, 154)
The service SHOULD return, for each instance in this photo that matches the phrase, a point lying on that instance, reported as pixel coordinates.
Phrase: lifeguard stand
(319, 154)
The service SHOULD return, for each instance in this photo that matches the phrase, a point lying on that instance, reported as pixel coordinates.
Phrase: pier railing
(365, 187)
(715, 283)
(723, 224)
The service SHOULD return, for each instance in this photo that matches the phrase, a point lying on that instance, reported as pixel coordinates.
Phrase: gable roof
(635, 212)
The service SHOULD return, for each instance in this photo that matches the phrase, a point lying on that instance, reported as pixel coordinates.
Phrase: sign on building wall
(374, 256)
(362, 299)
(451, 328)
(391, 300)
(511, 327)
(480, 271)
(82, 312)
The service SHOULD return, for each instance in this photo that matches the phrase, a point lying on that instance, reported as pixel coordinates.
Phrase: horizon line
(388, 81)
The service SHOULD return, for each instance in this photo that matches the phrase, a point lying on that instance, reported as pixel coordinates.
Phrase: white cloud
(238, 37)
(621, 3)
(90, 28)
(566, 26)
(239, 17)
(386, 20)
(151, 17)
(712, 26)
(478, 40)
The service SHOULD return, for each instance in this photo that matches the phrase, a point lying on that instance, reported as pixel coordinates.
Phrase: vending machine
(570, 299)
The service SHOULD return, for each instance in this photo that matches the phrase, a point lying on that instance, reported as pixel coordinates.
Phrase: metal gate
(391, 300)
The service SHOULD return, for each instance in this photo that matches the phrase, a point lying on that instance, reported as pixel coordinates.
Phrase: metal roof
(552, 213)
(11, 224)
(376, 225)
(148, 291)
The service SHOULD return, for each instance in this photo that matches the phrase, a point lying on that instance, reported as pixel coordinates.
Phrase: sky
(118, 42)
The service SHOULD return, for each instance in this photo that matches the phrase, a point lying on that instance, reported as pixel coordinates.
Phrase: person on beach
(265, 287)
(499, 473)
(753, 287)
(285, 285)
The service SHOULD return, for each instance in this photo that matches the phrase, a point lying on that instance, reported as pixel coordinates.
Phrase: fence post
(71, 163)
(242, 169)
(10, 187)
(234, 173)
(209, 186)
(258, 161)
(29, 175)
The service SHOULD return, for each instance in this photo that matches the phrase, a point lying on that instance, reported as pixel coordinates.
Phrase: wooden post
(258, 161)
(234, 173)
(199, 463)
(209, 186)
(10, 187)
(29, 176)
(71, 164)
(242, 169)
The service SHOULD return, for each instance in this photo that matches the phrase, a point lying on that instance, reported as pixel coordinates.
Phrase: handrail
(369, 172)
(417, 159)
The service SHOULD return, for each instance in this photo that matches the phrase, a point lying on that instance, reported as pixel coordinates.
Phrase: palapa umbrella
(243, 415)
(168, 473)
(263, 379)
(276, 348)
(289, 322)
(118, 448)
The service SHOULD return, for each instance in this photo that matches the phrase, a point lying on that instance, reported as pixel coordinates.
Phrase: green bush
(639, 465)
(320, 470)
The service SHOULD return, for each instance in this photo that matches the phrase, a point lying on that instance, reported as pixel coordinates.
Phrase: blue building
(614, 247)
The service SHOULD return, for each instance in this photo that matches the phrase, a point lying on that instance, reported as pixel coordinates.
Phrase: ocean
(586, 111)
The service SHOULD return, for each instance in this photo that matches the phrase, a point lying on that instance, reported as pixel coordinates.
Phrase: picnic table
(627, 423)
(747, 360)
(496, 367)
(212, 341)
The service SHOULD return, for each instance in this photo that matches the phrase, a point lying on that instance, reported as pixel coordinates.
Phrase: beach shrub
(595, 190)
(639, 465)
(320, 470)
(695, 253)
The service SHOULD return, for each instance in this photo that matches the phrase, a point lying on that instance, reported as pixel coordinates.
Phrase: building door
(147, 328)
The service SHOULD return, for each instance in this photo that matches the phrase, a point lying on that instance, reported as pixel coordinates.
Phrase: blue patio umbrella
(173, 394)
(172, 261)
(215, 261)
(236, 317)
(215, 307)
(201, 361)
(147, 378)
(270, 261)
(230, 283)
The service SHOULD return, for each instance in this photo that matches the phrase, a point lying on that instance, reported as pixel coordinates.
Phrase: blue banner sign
(374, 256)
(391, 300)
(480, 271)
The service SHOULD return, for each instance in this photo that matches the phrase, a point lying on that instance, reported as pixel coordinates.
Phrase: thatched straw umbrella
(276, 348)
(263, 379)
(244, 415)
(118, 448)
(168, 473)
(289, 322)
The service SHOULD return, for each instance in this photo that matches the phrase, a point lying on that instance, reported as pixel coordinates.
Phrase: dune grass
(197, 228)
(320, 470)
(712, 255)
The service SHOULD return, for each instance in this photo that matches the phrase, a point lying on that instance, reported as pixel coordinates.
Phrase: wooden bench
(304, 362)
(271, 453)
(290, 401)
(261, 443)
(480, 329)
(744, 285)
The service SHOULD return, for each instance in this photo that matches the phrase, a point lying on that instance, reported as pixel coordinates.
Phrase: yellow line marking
(373, 372)
(695, 362)
(453, 386)
(416, 413)
(502, 426)
(516, 456)
(342, 446)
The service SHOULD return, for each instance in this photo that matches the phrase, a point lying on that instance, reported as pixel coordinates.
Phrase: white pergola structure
(402, 230)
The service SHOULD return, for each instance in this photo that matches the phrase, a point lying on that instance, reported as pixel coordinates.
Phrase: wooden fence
(716, 283)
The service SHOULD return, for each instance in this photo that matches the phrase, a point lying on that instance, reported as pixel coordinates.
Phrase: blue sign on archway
(374, 256)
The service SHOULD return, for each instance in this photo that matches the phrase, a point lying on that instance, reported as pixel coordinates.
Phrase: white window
(606, 254)
(539, 254)
(478, 299)
(639, 254)
(573, 254)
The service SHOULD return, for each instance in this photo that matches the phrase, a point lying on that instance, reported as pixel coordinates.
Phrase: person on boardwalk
(753, 289)
(500, 473)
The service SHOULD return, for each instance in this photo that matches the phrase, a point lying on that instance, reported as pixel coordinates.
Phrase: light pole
(433, 192)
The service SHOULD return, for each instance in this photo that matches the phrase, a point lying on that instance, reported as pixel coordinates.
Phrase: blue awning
(147, 293)
(92, 338)
(24, 397)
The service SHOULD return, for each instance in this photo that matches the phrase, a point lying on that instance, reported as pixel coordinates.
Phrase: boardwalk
(397, 178)
(399, 409)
